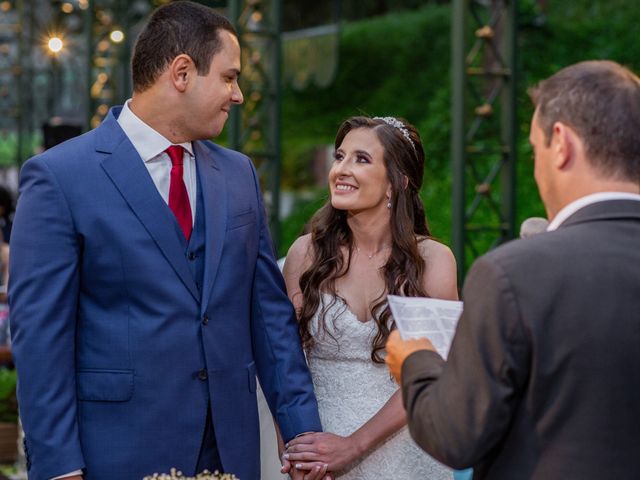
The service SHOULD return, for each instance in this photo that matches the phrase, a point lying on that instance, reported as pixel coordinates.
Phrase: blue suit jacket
(110, 335)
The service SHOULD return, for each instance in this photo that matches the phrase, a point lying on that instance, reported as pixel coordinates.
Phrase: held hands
(316, 471)
(329, 449)
(398, 350)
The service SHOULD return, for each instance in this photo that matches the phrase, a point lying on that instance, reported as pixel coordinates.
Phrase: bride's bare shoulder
(440, 277)
(300, 254)
(433, 249)
(301, 248)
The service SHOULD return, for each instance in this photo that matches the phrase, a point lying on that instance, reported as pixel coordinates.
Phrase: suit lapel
(128, 173)
(214, 195)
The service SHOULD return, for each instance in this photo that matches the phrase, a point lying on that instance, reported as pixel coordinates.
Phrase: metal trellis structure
(110, 28)
(484, 120)
(255, 127)
(483, 141)
(12, 94)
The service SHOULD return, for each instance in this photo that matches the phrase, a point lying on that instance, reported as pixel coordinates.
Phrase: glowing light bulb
(55, 44)
(116, 36)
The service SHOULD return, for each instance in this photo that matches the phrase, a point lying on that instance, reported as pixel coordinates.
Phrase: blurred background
(456, 69)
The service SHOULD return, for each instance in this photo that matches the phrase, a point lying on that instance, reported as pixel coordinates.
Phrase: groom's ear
(181, 69)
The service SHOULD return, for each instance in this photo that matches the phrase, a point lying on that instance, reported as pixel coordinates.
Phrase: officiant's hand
(398, 350)
(331, 449)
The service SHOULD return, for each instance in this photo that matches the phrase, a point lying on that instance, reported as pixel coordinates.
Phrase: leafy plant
(9, 148)
(8, 401)
(399, 64)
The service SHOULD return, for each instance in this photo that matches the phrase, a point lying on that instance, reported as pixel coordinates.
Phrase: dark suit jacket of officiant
(543, 377)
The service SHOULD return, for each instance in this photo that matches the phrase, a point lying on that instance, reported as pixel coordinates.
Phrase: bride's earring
(389, 205)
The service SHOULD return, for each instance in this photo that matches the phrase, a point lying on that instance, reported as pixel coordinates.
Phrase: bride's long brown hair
(404, 270)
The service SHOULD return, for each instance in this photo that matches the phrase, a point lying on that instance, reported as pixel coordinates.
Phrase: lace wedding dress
(350, 389)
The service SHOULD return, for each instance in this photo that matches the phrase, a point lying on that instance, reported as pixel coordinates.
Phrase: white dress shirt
(582, 202)
(151, 147)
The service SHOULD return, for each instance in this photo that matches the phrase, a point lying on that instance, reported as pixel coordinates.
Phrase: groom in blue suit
(144, 293)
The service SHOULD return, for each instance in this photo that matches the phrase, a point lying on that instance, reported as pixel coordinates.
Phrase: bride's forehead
(364, 139)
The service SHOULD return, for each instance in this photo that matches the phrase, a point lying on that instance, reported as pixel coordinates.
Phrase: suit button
(191, 256)
(202, 374)
(205, 320)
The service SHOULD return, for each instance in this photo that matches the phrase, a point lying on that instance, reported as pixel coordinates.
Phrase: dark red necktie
(178, 197)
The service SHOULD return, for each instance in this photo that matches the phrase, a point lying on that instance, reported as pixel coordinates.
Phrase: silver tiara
(395, 123)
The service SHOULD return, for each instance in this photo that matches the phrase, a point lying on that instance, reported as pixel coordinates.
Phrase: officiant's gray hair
(600, 101)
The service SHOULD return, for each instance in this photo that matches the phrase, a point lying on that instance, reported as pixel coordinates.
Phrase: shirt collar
(582, 202)
(147, 142)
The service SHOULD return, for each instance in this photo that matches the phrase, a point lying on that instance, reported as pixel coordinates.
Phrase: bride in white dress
(370, 239)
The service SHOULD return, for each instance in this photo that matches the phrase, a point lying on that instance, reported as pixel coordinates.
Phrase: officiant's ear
(567, 144)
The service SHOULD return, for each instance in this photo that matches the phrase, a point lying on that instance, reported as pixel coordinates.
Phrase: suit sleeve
(43, 297)
(280, 362)
(460, 409)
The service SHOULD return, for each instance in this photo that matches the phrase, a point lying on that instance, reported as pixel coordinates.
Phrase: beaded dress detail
(350, 389)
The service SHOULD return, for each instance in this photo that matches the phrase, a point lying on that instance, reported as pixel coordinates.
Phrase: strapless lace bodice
(350, 389)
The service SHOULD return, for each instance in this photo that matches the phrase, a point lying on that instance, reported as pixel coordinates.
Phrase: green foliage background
(399, 64)
(8, 402)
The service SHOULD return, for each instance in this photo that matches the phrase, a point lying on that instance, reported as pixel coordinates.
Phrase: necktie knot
(178, 195)
(175, 154)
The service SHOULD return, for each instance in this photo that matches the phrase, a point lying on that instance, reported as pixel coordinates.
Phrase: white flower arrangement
(205, 475)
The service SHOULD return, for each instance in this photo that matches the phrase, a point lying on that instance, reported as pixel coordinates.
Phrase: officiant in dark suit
(543, 377)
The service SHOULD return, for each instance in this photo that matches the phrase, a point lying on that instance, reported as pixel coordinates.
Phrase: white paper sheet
(418, 317)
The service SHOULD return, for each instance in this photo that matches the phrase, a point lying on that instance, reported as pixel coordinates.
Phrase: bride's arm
(441, 275)
(337, 451)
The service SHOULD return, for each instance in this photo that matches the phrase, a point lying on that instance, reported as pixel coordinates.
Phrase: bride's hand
(314, 471)
(329, 448)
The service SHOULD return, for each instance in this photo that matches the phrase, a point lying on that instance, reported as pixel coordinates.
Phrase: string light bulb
(55, 45)
(116, 36)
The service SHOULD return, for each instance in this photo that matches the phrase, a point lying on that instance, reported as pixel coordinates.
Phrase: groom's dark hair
(181, 27)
